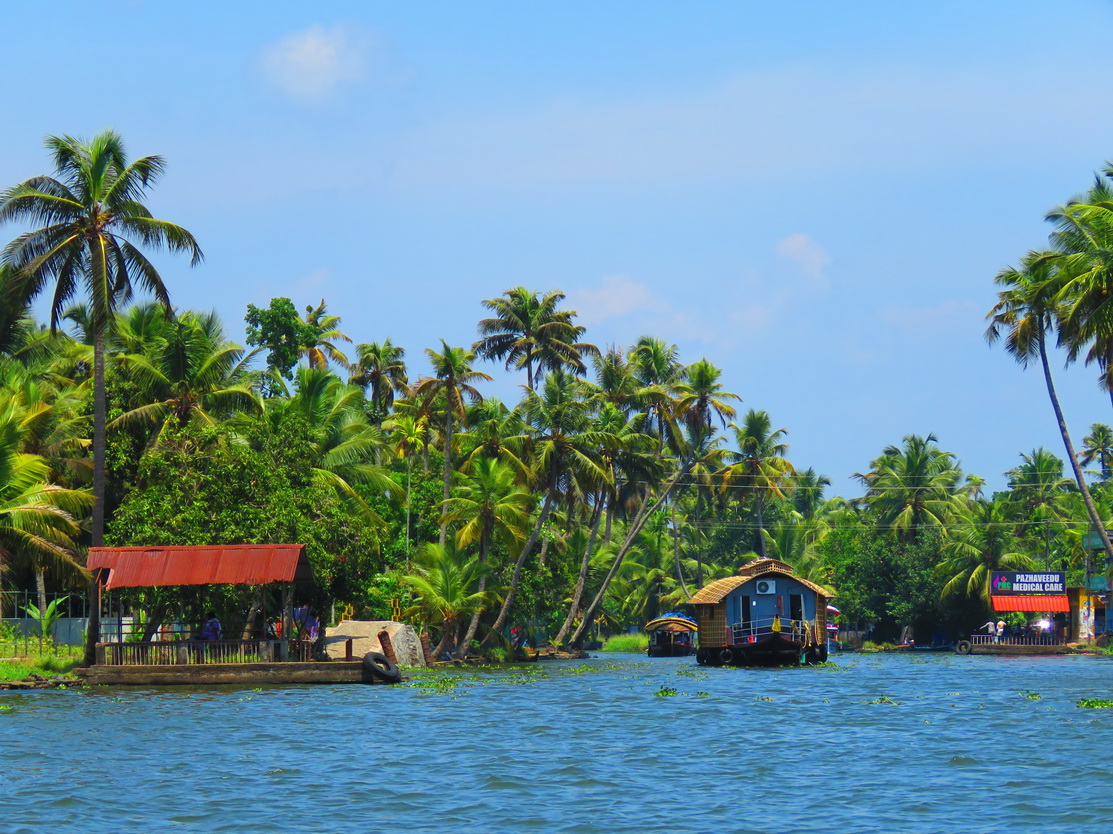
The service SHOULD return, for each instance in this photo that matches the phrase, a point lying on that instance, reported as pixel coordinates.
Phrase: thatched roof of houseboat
(717, 591)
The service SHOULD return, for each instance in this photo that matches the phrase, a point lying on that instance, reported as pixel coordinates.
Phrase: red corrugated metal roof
(225, 564)
(1034, 602)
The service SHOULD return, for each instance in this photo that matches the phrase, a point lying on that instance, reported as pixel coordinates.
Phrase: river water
(872, 743)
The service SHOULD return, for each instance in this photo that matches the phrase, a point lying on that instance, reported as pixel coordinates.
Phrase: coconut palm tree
(528, 331)
(700, 398)
(383, 368)
(1024, 313)
(323, 332)
(491, 506)
(977, 547)
(759, 472)
(447, 586)
(191, 373)
(1098, 445)
(1036, 485)
(453, 384)
(344, 445)
(38, 520)
(913, 486)
(93, 224)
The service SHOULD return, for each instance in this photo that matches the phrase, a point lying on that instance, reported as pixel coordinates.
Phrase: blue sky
(814, 196)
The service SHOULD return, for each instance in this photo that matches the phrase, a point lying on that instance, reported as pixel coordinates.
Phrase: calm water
(580, 747)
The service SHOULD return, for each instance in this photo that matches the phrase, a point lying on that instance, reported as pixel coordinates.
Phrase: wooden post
(287, 622)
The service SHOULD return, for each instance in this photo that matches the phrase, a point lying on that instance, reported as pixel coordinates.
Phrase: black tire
(964, 647)
(381, 667)
(726, 657)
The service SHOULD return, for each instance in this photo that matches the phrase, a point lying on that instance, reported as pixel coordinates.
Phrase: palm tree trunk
(92, 631)
(631, 535)
(1087, 499)
(447, 464)
(516, 576)
(676, 553)
(581, 579)
(473, 626)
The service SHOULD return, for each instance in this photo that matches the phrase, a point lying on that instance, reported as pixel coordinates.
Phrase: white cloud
(617, 295)
(312, 65)
(808, 254)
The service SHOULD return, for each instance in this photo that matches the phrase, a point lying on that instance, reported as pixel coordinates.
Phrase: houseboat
(672, 635)
(763, 616)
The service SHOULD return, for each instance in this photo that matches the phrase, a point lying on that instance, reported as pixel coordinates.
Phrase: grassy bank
(627, 643)
(17, 669)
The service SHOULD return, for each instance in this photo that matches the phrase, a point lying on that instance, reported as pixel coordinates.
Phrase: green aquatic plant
(763, 698)
(1031, 696)
(703, 694)
(884, 699)
(665, 692)
(6, 707)
(1095, 703)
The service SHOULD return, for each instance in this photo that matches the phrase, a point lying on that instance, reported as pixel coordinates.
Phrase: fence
(1018, 640)
(193, 652)
(800, 631)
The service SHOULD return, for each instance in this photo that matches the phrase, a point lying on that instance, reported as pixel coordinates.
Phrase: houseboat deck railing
(801, 631)
(192, 652)
(1018, 640)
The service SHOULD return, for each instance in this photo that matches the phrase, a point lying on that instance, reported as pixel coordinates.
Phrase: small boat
(672, 635)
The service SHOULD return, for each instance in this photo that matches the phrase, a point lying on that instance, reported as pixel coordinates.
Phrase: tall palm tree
(528, 331)
(760, 471)
(192, 373)
(1098, 445)
(1022, 316)
(324, 332)
(490, 506)
(92, 215)
(563, 449)
(1037, 484)
(977, 547)
(92, 219)
(453, 384)
(700, 398)
(382, 367)
(913, 486)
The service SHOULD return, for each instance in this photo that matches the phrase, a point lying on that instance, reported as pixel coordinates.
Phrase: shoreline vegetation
(623, 480)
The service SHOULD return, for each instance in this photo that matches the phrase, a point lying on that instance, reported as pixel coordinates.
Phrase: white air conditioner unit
(766, 586)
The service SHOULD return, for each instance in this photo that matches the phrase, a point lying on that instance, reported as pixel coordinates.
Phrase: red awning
(229, 564)
(1033, 602)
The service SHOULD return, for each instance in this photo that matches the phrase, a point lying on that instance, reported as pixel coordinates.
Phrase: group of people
(1042, 629)
(306, 626)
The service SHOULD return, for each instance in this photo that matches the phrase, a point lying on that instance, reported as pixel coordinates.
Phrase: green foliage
(627, 643)
(207, 485)
(47, 617)
(885, 580)
(280, 329)
(1095, 703)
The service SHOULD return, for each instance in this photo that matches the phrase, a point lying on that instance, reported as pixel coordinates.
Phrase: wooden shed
(763, 616)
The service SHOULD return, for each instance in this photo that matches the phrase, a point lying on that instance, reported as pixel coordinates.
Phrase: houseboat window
(796, 606)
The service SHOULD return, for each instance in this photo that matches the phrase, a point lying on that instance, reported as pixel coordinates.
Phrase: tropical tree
(914, 486)
(528, 331)
(192, 373)
(490, 506)
(453, 384)
(981, 544)
(1023, 315)
(1098, 445)
(700, 398)
(322, 333)
(759, 472)
(446, 582)
(280, 330)
(343, 445)
(92, 220)
(381, 367)
(38, 520)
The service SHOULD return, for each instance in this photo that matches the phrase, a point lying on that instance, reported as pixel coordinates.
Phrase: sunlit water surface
(875, 743)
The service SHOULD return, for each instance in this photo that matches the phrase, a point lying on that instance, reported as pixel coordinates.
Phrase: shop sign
(1006, 583)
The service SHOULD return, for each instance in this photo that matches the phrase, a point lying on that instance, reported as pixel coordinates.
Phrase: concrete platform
(253, 674)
